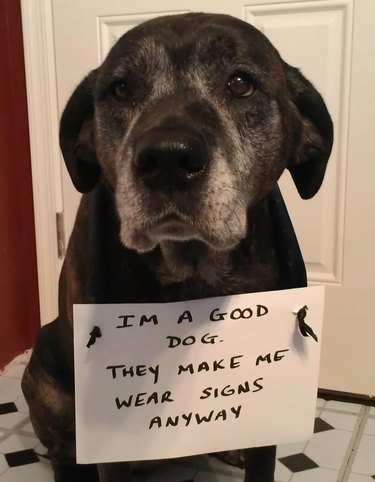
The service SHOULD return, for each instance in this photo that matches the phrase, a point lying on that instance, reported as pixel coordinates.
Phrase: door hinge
(61, 248)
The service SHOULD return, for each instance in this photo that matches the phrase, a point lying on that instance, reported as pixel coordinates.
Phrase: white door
(335, 227)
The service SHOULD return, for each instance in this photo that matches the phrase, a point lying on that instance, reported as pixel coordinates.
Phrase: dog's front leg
(115, 472)
(260, 464)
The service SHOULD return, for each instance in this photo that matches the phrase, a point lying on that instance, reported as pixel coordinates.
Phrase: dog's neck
(182, 261)
(200, 270)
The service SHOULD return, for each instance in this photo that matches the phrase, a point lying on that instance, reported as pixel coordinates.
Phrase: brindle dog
(177, 141)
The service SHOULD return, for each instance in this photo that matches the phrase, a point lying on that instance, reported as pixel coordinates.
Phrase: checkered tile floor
(341, 450)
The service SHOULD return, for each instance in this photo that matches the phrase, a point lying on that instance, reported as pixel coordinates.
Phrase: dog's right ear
(76, 136)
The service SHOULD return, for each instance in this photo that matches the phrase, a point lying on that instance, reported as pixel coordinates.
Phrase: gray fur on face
(243, 137)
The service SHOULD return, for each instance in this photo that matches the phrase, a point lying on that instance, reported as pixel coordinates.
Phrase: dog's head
(190, 120)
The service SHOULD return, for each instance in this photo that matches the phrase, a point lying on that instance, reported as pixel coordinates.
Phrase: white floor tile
(22, 405)
(10, 389)
(290, 449)
(11, 420)
(27, 428)
(320, 403)
(282, 473)
(28, 473)
(3, 464)
(359, 478)
(40, 449)
(14, 443)
(316, 475)
(343, 406)
(372, 411)
(328, 449)
(341, 421)
(364, 462)
(370, 427)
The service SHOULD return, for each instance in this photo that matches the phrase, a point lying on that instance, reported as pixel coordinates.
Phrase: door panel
(316, 38)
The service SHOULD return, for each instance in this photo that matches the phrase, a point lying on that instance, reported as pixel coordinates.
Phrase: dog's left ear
(76, 136)
(314, 134)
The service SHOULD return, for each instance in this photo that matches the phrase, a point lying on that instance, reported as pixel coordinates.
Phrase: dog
(177, 142)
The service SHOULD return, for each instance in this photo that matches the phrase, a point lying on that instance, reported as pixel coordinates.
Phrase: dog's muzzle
(168, 158)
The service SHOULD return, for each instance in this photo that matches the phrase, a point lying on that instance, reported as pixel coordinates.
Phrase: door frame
(37, 24)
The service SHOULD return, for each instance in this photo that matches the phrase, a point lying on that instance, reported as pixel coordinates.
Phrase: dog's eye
(240, 84)
(120, 89)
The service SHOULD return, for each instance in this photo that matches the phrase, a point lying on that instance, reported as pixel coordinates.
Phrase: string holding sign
(304, 328)
(95, 333)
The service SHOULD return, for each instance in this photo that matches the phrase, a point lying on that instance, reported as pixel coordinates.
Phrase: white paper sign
(176, 379)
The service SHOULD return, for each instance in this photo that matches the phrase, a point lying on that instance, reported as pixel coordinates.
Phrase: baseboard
(346, 397)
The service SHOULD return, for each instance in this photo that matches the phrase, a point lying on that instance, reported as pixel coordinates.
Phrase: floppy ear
(314, 137)
(76, 136)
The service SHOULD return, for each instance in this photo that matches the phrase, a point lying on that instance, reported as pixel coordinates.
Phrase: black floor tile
(322, 426)
(298, 462)
(7, 408)
(21, 457)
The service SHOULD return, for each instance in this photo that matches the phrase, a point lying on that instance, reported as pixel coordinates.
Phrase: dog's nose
(170, 158)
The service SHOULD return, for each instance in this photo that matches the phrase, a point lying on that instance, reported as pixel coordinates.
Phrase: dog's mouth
(171, 227)
(179, 219)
